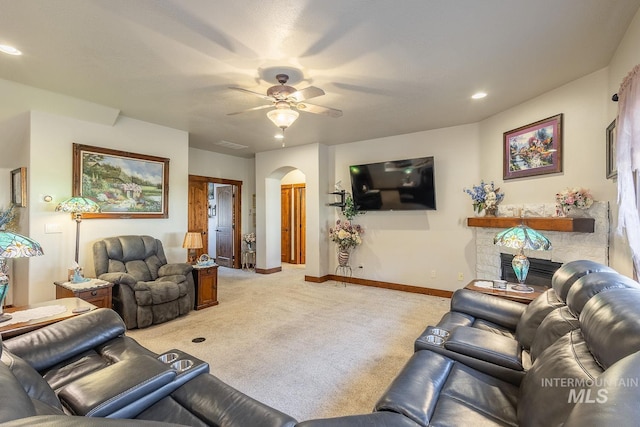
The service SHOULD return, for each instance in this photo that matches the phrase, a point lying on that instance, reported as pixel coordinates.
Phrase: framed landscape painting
(533, 149)
(125, 185)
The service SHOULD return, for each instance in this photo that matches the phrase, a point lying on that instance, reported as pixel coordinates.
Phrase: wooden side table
(73, 307)
(522, 297)
(99, 294)
(205, 280)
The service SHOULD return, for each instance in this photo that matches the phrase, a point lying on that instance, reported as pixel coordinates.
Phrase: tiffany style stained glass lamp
(522, 237)
(77, 205)
(13, 245)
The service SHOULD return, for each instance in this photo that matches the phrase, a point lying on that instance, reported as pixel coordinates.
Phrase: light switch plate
(52, 228)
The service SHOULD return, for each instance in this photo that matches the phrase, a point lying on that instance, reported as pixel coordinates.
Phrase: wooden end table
(522, 297)
(70, 305)
(205, 280)
(99, 294)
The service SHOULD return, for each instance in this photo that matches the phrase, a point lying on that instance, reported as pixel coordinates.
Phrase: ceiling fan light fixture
(283, 117)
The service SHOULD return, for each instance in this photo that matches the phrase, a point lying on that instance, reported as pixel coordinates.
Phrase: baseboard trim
(379, 284)
(268, 270)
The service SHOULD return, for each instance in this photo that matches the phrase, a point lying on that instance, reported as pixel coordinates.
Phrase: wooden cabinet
(99, 296)
(205, 280)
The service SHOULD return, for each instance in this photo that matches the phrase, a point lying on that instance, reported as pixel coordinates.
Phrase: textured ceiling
(392, 67)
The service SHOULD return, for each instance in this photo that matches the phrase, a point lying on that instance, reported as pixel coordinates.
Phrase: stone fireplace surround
(566, 246)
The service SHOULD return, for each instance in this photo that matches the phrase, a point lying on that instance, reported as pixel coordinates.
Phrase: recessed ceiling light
(478, 95)
(10, 50)
(279, 136)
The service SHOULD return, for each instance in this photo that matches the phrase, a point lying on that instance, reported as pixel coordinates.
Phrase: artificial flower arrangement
(485, 196)
(346, 234)
(350, 210)
(576, 197)
(249, 238)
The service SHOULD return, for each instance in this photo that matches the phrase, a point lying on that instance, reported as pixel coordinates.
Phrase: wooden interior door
(231, 207)
(300, 215)
(286, 221)
(224, 230)
(197, 212)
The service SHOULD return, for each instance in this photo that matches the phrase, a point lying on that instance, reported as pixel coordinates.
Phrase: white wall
(50, 165)
(409, 247)
(293, 177)
(215, 165)
(14, 141)
(583, 103)
(271, 167)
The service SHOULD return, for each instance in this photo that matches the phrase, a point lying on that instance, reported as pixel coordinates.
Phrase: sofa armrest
(488, 307)
(487, 346)
(48, 346)
(175, 269)
(16, 403)
(206, 399)
(375, 419)
(118, 278)
(103, 392)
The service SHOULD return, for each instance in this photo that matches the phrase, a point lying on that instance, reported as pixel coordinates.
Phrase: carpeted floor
(311, 350)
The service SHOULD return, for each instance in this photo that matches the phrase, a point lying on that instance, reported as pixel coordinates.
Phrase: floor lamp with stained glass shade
(522, 237)
(13, 245)
(77, 205)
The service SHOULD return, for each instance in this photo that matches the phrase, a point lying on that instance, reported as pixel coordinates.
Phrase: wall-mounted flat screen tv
(396, 185)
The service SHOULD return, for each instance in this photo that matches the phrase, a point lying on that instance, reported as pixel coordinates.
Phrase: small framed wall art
(533, 149)
(612, 167)
(19, 187)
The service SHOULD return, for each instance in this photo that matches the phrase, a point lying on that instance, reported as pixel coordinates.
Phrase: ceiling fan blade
(306, 93)
(259, 95)
(317, 109)
(261, 107)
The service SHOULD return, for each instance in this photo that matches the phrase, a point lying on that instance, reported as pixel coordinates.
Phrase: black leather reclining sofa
(570, 358)
(83, 370)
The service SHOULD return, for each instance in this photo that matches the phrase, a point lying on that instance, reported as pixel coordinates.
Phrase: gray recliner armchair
(147, 290)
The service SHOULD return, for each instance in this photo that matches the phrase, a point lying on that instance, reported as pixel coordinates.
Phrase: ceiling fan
(286, 100)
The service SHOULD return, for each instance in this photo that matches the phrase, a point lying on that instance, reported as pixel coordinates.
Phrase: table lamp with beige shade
(192, 241)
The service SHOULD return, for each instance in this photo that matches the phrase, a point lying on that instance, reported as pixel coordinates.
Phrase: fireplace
(567, 246)
(540, 270)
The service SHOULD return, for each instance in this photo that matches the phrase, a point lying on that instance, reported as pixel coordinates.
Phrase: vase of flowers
(485, 198)
(343, 257)
(249, 239)
(346, 235)
(571, 201)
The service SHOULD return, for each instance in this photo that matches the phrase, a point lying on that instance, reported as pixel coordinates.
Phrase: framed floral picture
(533, 149)
(125, 185)
(612, 168)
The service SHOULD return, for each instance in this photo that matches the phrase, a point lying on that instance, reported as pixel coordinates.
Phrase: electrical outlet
(460, 277)
(433, 274)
